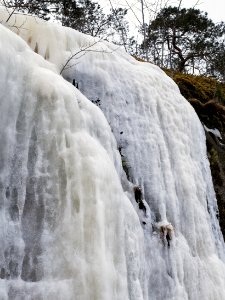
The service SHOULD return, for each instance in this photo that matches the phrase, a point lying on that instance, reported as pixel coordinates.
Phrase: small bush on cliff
(199, 87)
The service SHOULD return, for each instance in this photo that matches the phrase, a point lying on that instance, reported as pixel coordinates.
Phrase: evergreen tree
(42, 9)
(216, 63)
(183, 39)
(83, 15)
(88, 17)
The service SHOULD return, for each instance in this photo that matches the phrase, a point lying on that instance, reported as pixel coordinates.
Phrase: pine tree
(83, 15)
(42, 9)
(183, 39)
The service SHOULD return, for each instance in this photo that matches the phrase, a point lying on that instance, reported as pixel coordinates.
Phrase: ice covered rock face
(162, 145)
(67, 228)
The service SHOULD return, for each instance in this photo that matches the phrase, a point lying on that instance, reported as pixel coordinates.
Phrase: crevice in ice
(11, 268)
(36, 48)
(75, 83)
(13, 206)
(32, 216)
(67, 143)
(138, 195)
(47, 55)
(29, 40)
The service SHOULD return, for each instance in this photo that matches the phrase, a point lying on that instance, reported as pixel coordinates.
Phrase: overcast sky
(214, 8)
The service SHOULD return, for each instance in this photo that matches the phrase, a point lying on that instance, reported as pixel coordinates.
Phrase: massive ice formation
(68, 229)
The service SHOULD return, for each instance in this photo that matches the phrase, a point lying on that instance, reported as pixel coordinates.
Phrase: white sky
(214, 8)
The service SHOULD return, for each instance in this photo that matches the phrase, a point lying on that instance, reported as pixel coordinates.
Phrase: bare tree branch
(83, 51)
(10, 15)
(130, 7)
(122, 29)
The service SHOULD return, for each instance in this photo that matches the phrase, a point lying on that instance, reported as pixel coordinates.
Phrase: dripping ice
(71, 228)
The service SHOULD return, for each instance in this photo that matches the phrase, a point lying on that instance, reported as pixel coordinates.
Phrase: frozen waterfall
(71, 174)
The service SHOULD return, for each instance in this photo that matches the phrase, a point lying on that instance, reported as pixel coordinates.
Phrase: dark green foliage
(184, 40)
(88, 17)
(40, 8)
(83, 15)
(216, 66)
(70, 12)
